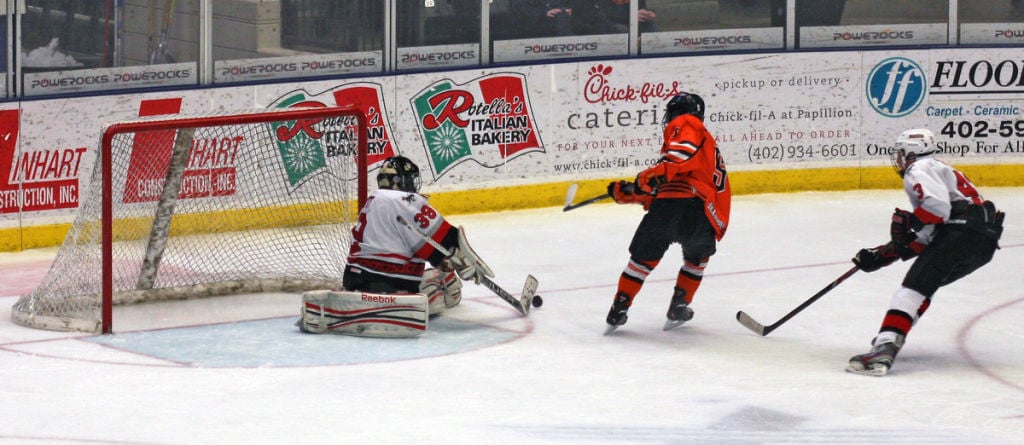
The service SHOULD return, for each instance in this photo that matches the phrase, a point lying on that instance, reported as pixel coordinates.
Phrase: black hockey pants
(961, 246)
(674, 220)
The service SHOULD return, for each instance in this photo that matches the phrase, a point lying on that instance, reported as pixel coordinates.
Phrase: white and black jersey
(384, 246)
(933, 186)
(960, 234)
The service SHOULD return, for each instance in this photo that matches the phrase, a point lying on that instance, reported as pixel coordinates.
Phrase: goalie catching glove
(467, 263)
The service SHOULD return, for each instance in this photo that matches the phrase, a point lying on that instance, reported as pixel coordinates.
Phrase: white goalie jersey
(383, 245)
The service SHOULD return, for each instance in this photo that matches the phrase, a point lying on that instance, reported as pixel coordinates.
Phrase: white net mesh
(202, 210)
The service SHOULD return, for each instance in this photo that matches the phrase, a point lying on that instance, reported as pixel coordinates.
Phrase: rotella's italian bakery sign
(309, 148)
(487, 120)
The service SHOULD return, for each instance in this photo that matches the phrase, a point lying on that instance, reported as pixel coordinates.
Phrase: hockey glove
(870, 260)
(446, 266)
(623, 192)
(649, 180)
(467, 262)
(903, 231)
(903, 227)
(994, 228)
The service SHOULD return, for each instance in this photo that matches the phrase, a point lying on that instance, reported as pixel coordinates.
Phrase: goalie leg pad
(363, 314)
(467, 262)
(443, 289)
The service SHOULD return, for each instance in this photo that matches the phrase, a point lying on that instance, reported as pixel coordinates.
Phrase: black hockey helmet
(399, 173)
(684, 103)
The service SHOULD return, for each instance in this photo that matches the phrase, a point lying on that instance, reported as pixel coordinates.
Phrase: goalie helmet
(684, 103)
(910, 146)
(399, 173)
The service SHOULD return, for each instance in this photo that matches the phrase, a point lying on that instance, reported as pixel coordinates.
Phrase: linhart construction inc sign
(209, 171)
(310, 148)
(487, 120)
(35, 180)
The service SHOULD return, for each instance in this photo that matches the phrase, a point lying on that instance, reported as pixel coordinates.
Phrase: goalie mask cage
(189, 207)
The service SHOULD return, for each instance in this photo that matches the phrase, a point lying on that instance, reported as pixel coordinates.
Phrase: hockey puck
(537, 301)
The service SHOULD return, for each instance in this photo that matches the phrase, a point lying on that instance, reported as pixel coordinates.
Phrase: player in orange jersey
(687, 197)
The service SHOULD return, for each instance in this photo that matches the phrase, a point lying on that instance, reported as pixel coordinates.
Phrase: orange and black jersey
(692, 166)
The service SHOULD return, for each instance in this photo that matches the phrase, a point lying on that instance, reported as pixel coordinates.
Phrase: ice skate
(679, 311)
(876, 362)
(677, 316)
(617, 315)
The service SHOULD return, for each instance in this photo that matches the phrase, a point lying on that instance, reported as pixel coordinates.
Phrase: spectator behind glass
(618, 12)
(595, 17)
(540, 18)
(810, 12)
(463, 20)
(566, 17)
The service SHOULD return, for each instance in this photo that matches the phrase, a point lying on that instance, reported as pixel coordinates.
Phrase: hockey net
(201, 206)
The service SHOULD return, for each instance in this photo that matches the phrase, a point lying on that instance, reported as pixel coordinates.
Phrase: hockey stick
(763, 330)
(529, 287)
(571, 194)
(159, 55)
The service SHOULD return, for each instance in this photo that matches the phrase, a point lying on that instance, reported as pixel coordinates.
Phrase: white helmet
(911, 145)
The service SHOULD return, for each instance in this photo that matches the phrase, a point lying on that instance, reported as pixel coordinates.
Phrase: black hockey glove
(870, 260)
(904, 227)
(994, 229)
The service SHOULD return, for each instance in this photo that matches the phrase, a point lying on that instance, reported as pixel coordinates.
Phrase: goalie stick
(570, 195)
(529, 287)
(763, 330)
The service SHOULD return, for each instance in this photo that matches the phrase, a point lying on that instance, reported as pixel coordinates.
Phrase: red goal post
(185, 207)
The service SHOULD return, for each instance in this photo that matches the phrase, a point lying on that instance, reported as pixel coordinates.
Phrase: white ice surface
(484, 375)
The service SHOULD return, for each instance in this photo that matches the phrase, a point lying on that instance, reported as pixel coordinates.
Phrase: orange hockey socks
(689, 279)
(633, 276)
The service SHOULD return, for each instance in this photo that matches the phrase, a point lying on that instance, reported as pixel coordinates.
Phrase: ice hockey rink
(236, 370)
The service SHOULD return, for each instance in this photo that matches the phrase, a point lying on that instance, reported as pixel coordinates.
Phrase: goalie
(387, 264)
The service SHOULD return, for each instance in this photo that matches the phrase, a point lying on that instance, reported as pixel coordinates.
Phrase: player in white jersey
(387, 257)
(952, 231)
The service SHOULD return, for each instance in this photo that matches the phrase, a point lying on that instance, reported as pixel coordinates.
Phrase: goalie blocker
(363, 314)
